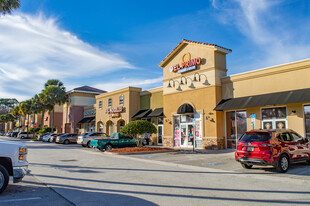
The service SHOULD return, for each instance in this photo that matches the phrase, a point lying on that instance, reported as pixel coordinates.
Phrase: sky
(114, 44)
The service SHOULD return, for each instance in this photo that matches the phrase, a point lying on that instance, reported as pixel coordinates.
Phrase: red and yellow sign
(185, 66)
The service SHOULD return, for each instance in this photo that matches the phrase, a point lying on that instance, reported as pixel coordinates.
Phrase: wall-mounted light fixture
(199, 78)
(185, 80)
(174, 81)
(293, 112)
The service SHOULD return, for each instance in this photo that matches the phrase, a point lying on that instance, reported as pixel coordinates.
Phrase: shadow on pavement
(269, 169)
(246, 199)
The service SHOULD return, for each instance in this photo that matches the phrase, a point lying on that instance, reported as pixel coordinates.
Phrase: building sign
(115, 112)
(90, 113)
(186, 66)
(253, 121)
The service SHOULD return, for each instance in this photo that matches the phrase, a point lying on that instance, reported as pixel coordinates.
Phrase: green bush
(137, 128)
(34, 130)
(45, 130)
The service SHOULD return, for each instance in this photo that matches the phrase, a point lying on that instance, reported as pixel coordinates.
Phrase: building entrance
(187, 134)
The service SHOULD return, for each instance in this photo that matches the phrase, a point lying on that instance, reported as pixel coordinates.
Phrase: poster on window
(267, 125)
(281, 124)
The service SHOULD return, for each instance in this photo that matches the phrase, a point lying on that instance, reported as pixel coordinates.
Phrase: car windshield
(255, 137)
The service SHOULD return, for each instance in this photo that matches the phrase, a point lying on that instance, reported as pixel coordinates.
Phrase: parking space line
(23, 199)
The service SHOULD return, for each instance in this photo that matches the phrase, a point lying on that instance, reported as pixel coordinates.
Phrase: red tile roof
(192, 42)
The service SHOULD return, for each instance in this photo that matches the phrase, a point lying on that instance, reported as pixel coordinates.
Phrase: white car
(46, 138)
(84, 139)
(13, 162)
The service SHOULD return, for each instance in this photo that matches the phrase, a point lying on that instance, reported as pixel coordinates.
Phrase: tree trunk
(27, 126)
(53, 120)
(42, 120)
(19, 124)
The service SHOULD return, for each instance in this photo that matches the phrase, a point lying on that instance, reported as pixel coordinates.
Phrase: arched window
(121, 100)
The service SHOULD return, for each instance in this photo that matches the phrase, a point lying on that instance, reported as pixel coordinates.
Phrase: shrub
(137, 128)
(34, 130)
(45, 130)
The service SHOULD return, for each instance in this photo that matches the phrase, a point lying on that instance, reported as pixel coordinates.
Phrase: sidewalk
(220, 159)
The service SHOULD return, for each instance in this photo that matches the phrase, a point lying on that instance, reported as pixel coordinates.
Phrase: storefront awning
(185, 108)
(86, 120)
(295, 96)
(142, 113)
(157, 112)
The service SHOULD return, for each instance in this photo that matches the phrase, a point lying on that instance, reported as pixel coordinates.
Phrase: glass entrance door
(187, 134)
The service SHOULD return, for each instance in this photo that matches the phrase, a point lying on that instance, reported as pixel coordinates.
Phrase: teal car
(116, 140)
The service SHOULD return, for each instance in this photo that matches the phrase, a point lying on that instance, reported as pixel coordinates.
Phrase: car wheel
(4, 178)
(283, 164)
(88, 144)
(66, 142)
(108, 147)
(246, 166)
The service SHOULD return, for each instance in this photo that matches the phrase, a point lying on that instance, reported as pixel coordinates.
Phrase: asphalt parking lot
(68, 174)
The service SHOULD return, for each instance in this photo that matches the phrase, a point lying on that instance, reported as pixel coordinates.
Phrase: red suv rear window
(255, 137)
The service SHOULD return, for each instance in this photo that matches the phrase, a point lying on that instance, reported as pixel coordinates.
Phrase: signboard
(187, 64)
(115, 112)
(35, 125)
(253, 121)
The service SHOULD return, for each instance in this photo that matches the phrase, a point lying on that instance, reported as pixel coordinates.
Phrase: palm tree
(54, 93)
(6, 6)
(25, 108)
(15, 112)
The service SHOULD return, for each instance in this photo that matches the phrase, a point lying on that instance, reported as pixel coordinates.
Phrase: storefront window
(307, 120)
(236, 127)
(187, 128)
(100, 127)
(274, 118)
(274, 113)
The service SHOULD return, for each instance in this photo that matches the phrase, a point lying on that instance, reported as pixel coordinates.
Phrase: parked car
(84, 139)
(13, 162)
(116, 140)
(279, 148)
(24, 135)
(2, 133)
(40, 137)
(67, 138)
(9, 134)
(47, 137)
(14, 134)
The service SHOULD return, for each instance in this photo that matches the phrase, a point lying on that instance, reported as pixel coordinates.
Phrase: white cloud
(125, 82)
(34, 49)
(270, 30)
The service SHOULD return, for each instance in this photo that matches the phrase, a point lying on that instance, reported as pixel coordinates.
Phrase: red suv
(272, 147)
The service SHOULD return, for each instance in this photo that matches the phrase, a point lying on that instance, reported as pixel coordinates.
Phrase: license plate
(250, 149)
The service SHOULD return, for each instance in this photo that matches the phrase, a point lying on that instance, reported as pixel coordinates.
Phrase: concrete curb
(138, 153)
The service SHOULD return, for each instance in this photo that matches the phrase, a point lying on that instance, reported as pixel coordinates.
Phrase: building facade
(115, 109)
(271, 98)
(77, 99)
(192, 75)
(151, 109)
(88, 123)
